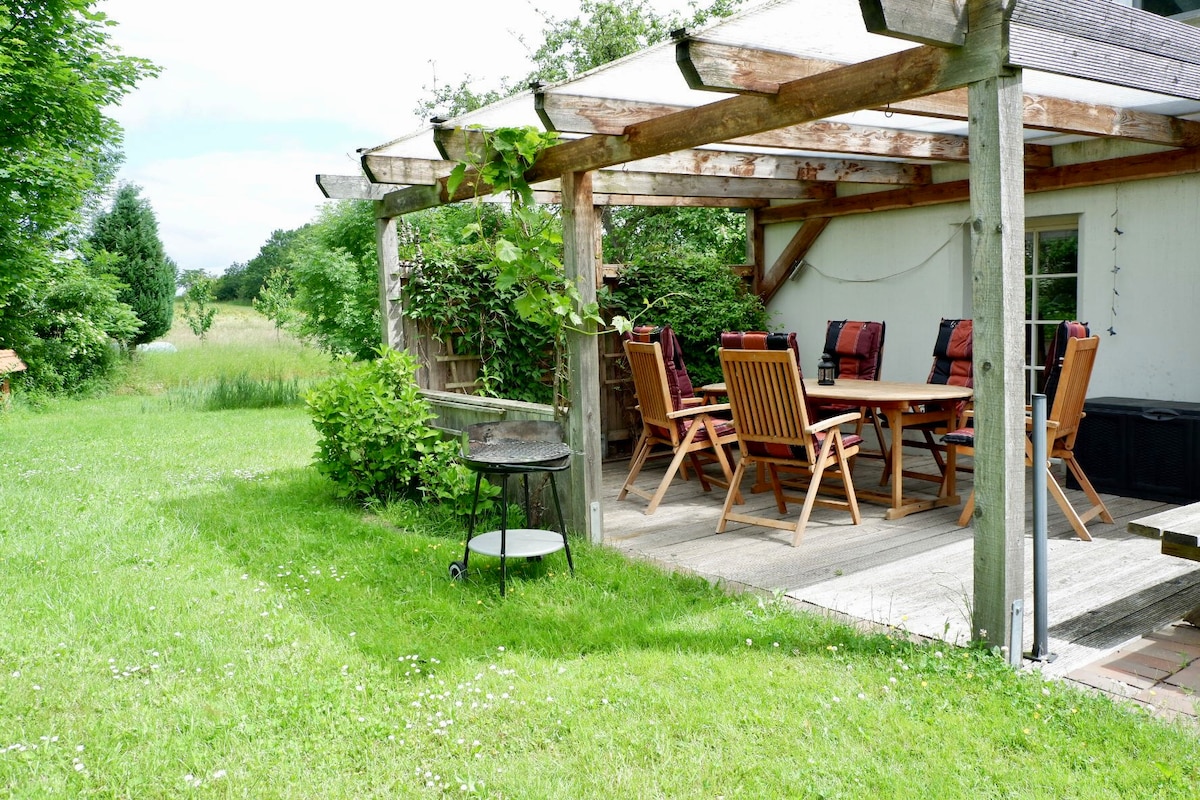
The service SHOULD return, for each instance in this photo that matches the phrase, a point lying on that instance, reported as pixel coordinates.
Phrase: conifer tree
(130, 232)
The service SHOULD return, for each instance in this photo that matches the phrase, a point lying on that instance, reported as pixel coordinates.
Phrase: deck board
(914, 573)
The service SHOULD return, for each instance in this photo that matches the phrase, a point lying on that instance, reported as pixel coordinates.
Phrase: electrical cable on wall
(808, 265)
(1117, 232)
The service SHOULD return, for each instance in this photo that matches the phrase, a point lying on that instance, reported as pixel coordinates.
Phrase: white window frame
(1034, 227)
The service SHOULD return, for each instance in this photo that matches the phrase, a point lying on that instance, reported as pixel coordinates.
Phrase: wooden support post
(998, 274)
(387, 243)
(583, 355)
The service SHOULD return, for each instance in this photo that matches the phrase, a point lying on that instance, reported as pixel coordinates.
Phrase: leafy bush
(699, 298)
(327, 291)
(74, 330)
(376, 443)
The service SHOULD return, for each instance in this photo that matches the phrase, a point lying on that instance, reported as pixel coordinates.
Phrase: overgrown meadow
(186, 611)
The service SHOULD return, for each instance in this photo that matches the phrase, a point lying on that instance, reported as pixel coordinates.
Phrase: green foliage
(462, 305)
(525, 251)
(198, 309)
(129, 231)
(78, 327)
(375, 439)
(245, 613)
(248, 279)
(606, 30)
(643, 235)
(451, 101)
(274, 300)
(698, 298)
(329, 293)
(58, 75)
(228, 285)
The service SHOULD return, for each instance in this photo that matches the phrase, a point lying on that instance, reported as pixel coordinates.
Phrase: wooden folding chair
(771, 417)
(687, 431)
(1062, 426)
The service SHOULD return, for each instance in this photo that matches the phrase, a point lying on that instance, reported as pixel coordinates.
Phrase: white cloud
(217, 208)
(276, 74)
(256, 96)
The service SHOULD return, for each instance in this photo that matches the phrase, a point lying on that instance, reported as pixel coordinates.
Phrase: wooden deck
(913, 573)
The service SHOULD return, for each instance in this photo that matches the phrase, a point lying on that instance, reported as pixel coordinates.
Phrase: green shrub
(375, 440)
(699, 298)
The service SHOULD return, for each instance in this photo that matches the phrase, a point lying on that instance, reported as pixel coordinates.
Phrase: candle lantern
(825, 370)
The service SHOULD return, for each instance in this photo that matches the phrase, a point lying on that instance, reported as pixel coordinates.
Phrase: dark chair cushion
(677, 375)
(952, 354)
(856, 348)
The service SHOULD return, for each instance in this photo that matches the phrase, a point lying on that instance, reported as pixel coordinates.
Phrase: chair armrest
(695, 411)
(833, 422)
(692, 401)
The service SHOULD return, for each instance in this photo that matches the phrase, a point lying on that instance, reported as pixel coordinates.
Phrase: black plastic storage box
(1140, 448)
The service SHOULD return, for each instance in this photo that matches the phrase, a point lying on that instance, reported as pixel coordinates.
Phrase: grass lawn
(186, 612)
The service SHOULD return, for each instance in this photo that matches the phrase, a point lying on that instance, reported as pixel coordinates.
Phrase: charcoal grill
(501, 450)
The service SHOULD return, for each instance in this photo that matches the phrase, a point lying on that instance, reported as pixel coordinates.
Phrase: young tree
(130, 232)
(58, 75)
(198, 309)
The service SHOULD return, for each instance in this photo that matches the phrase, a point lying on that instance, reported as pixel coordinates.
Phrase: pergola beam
(916, 72)
(351, 187)
(1103, 42)
(1071, 176)
(936, 22)
(727, 68)
(721, 163)
(594, 115)
(405, 170)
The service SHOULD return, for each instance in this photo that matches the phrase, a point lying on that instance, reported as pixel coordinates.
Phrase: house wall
(909, 268)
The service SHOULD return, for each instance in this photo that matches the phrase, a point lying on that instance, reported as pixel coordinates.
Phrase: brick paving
(1160, 671)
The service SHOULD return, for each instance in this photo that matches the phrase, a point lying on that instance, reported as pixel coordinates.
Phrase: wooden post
(583, 356)
(997, 275)
(387, 243)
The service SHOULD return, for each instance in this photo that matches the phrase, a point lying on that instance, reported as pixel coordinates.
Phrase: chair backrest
(1067, 329)
(856, 349)
(766, 395)
(762, 340)
(652, 385)
(677, 375)
(1074, 378)
(952, 354)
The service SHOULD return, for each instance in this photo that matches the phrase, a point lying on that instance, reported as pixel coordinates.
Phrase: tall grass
(240, 391)
(186, 612)
(242, 347)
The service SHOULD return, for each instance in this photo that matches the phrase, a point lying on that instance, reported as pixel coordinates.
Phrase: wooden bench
(1179, 529)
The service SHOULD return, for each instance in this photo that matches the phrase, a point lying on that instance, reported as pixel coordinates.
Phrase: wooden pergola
(863, 120)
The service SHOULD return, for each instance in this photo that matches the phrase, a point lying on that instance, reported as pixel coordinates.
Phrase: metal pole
(1041, 633)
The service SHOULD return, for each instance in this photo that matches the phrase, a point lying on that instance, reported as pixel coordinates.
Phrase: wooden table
(1179, 529)
(891, 399)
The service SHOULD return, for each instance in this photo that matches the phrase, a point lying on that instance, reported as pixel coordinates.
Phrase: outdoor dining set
(800, 437)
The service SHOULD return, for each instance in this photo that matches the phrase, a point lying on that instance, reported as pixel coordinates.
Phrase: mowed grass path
(186, 612)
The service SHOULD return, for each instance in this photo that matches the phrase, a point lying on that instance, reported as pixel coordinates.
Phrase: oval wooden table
(892, 399)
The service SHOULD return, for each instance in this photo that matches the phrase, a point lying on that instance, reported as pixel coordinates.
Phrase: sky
(256, 97)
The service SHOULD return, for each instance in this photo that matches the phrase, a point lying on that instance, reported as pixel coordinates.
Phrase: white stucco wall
(907, 269)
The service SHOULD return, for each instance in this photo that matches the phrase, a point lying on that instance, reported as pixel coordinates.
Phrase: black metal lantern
(825, 370)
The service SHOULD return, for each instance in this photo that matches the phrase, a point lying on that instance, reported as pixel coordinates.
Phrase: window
(1182, 9)
(1051, 289)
